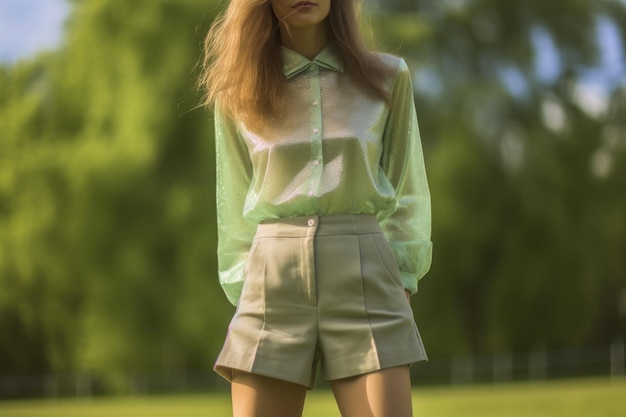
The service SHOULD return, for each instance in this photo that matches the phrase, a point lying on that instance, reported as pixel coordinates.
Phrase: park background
(107, 224)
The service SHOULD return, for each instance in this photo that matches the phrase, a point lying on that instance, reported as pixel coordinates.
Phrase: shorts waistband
(343, 224)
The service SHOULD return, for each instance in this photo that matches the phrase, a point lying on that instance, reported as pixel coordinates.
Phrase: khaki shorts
(320, 291)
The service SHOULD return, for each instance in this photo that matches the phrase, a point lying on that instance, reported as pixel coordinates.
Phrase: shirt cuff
(232, 291)
(409, 281)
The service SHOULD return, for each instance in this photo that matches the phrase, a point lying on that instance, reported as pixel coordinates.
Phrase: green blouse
(332, 149)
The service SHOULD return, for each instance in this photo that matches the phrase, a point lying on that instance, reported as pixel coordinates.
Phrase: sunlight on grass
(577, 398)
(596, 397)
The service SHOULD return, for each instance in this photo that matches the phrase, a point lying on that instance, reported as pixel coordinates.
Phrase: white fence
(539, 365)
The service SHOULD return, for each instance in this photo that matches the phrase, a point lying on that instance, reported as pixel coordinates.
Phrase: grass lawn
(575, 398)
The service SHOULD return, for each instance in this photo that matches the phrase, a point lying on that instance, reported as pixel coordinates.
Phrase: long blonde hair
(242, 65)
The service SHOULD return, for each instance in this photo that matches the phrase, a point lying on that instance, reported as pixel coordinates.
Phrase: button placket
(316, 131)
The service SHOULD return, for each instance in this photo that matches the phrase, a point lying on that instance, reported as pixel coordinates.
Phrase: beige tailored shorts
(320, 292)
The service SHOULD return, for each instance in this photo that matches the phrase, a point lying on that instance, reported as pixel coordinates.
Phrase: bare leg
(260, 396)
(384, 393)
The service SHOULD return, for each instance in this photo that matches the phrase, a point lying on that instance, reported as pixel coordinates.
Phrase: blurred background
(107, 225)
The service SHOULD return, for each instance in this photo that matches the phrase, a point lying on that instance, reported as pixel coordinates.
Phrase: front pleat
(388, 312)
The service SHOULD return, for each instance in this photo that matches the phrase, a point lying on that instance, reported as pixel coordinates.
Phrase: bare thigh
(261, 396)
(384, 393)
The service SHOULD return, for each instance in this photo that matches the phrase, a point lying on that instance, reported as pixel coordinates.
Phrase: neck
(308, 42)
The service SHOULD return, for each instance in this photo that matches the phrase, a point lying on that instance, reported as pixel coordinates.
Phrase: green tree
(107, 237)
(525, 177)
(107, 229)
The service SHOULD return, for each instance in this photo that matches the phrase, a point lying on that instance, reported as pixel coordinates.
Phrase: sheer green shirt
(332, 149)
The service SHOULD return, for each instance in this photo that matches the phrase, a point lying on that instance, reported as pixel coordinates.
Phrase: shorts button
(311, 222)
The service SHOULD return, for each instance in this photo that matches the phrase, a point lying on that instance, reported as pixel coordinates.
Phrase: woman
(323, 208)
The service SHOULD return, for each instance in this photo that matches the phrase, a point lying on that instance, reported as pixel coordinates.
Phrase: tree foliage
(107, 230)
(525, 174)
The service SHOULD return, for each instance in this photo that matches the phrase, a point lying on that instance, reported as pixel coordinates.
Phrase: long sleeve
(235, 233)
(332, 149)
(408, 226)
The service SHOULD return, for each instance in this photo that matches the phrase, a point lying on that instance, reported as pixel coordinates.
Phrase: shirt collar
(294, 63)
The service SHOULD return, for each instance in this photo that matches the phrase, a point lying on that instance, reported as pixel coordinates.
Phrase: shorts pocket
(386, 257)
(251, 283)
(250, 258)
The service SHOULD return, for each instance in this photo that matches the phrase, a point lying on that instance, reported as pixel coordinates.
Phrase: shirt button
(315, 103)
(312, 67)
(311, 222)
(316, 162)
(316, 130)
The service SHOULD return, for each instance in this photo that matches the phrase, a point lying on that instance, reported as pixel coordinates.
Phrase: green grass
(576, 398)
